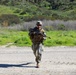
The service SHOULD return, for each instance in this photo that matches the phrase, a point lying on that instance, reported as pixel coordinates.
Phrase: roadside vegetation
(18, 38)
(61, 38)
(21, 38)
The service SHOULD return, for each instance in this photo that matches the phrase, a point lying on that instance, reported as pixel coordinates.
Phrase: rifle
(44, 35)
(37, 33)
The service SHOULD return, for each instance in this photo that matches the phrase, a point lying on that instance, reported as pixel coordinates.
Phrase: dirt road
(55, 61)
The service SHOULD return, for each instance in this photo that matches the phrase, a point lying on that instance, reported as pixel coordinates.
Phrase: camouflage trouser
(37, 50)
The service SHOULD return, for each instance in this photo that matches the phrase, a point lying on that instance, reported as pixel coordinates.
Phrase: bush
(7, 19)
(61, 27)
(17, 10)
(48, 28)
(55, 16)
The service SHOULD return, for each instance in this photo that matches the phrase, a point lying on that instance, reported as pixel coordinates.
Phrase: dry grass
(47, 25)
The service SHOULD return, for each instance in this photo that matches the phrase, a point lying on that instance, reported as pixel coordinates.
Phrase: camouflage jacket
(36, 35)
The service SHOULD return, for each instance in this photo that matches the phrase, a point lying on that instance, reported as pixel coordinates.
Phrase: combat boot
(37, 66)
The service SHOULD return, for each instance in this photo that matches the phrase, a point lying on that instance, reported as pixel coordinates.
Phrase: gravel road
(20, 61)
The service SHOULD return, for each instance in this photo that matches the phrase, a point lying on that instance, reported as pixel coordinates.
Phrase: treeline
(52, 4)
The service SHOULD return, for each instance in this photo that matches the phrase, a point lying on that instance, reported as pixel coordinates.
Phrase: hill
(27, 10)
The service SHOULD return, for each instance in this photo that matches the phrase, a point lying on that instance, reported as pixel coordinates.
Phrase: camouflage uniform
(37, 36)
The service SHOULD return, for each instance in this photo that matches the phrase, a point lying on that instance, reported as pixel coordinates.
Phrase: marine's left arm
(44, 34)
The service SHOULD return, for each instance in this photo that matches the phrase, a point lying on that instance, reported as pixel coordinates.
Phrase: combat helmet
(39, 23)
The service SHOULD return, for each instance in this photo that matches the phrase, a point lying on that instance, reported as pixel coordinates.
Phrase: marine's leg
(38, 54)
(37, 50)
(34, 49)
(38, 59)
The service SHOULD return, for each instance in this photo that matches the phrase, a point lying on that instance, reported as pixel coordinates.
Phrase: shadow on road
(26, 65)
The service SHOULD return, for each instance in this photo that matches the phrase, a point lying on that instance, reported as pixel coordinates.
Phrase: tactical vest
(36, 36)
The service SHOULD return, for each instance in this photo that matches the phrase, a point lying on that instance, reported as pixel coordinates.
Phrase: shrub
(48, 28)
(61, 27)
(55, 16)
(17, 10)
(7, 19)
(74, 42)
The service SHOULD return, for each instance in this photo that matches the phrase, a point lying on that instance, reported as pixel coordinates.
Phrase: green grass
(61, 38)
(8, 10)
(18, 38)
(21, 38)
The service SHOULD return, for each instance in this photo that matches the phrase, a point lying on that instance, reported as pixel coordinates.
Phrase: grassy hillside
(5, 10)
(28, 11)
